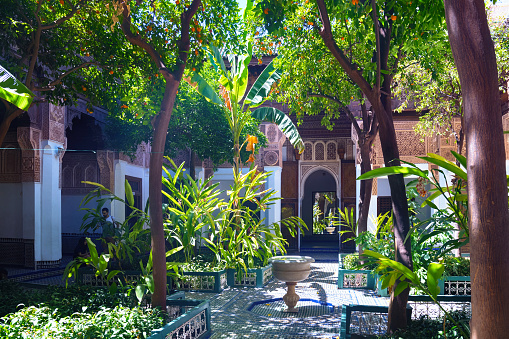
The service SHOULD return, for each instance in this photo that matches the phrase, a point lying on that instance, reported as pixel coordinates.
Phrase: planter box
(455, 285)
(86, 276)
(363, 321)
(201, 281)
(452, 285)
(191, 320)
(359, 279)
(255, 277)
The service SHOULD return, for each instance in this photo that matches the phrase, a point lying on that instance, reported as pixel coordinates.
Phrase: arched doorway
(320, 198)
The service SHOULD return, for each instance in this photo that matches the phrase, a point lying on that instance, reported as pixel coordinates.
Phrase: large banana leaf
(13, 91)
(282, 121)
(216, 59)
(383, 171)
(446, 164)
(202, 86)
(241, 78)
(261, 88)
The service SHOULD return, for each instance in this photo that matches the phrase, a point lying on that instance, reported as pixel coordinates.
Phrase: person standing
(108, 226)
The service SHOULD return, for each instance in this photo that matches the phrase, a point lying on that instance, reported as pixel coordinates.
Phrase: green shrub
(457, 266)
(43, 322)
(66, 301)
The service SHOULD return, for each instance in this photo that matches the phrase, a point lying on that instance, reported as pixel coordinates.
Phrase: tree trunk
(6, 122)
(192, 165)
(155, 197)
(366, 187)
(488, 215)
(397, 307)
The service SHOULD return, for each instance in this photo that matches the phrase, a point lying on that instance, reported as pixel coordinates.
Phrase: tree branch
(137, 40)
(51, 85)
(350, 69)
(73, 11)
(377, 35)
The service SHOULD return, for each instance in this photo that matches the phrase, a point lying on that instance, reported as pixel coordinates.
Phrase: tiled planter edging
(255, 277)
(86, 276)
(201, 281)
(451, 285)
(455, 285)
(368, 320)
(192, 322)
(365, 321)
(359, 279)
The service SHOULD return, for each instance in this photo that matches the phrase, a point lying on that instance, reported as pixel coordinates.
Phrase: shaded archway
(320, 180)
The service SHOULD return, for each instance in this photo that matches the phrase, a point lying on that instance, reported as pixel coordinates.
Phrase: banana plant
(239, 106)
(454, 194)
(394, 271)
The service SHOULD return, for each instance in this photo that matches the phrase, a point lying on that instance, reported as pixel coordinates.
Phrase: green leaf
(383, 171)
(461, 159)
(282, 121)
(129, 193)
(241, 79)
(435, 271)
(202, 86)
(217, 60)
(402, 285)
(140, 291)
(446, 164)
(13, 91)
(174, 250)
(261, 87)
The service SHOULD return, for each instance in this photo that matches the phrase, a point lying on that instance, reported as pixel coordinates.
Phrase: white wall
(11, 210)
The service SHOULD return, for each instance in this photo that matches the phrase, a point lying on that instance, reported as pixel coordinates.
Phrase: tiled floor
(234, 316)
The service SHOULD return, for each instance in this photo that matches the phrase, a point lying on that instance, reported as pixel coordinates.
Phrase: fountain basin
(291, 268)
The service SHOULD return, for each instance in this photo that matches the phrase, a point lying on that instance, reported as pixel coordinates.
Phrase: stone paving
(257, 312)
(234, 316)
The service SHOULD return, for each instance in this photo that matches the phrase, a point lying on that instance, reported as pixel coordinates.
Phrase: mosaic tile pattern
(232, 319)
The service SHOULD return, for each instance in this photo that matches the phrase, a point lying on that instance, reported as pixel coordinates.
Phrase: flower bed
(86, 276)
(201, 281)
(255, 277)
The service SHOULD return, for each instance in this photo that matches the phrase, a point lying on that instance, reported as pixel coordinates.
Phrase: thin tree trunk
(397, 308)
(155, 175)
(488, 215)
(366, 187)
(192, 169)
(6, 123)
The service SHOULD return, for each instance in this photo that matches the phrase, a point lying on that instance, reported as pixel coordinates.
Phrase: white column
(274, 182)
(117, 209)
(49, 235)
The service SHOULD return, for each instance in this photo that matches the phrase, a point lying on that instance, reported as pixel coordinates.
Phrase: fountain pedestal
(291, 269)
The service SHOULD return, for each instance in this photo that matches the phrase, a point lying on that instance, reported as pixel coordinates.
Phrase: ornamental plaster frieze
(105, 161)
(29, 140)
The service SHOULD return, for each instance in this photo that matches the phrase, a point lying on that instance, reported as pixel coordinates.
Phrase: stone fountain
(291, 269)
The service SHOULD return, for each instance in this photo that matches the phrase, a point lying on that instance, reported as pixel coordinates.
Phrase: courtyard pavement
(258, 312)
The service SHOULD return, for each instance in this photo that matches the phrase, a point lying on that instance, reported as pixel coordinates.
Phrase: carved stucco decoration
(271, 158)
(106, 168)
(307, 169)
(29, 140)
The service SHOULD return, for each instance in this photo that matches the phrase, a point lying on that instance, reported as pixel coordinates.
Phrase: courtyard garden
(201, 77)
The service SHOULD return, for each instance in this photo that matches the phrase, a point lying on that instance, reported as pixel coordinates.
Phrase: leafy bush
(455, 266)
(65, 301)
(45, 322)
(426, 328)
